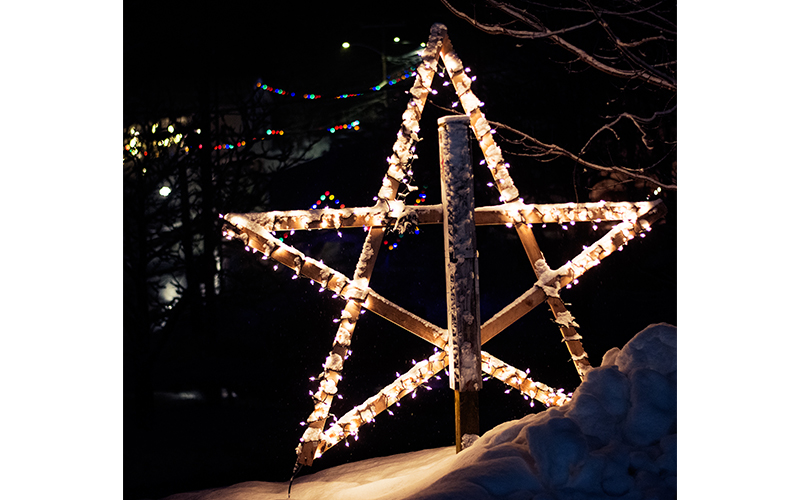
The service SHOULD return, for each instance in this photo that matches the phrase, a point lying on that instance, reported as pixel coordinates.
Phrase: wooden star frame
(256, 230)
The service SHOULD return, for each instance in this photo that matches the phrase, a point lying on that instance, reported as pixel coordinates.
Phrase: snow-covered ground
(617, 438)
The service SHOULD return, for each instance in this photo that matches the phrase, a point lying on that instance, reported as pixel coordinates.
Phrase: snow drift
(617, 439)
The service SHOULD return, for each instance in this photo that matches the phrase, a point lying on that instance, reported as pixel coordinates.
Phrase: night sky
(275, 332)
(291, 45)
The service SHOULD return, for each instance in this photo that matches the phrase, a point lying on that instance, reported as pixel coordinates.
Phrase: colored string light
(134, 151)
(136, 147)
(327, 197)
(239, 144)
(394, 81)
(421, 195)
(354, 125)
(322, 201)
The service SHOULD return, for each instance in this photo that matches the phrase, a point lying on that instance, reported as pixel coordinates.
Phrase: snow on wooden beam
(417, 376)
(259, 239)
(560, 213)
(397, 174)
(384, 215)
(387, 397)
(334, 363)
(404, 146)
(381, 215)
(355, 291)
(480, 126)
(460, 254)
(461, 266)
(329, 380)
(565, 321)
(612, 241)
(334, 281)
(317, 219)
(520, 380)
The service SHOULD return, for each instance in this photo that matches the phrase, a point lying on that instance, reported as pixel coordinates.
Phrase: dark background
(271, 333)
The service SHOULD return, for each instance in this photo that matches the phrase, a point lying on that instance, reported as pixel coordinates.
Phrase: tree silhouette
(180, 173)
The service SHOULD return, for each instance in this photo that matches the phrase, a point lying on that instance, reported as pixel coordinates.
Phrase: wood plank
(460, 254)
(461, 268)
(574, 268)
(340, 284)
(347, 218)
(406, 320)
(402, 153)
(402, 386)
(511, 313)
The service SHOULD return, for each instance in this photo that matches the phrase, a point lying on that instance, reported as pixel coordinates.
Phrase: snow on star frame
(257, 232)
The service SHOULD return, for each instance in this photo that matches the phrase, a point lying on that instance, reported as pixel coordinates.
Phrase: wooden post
(461, 262)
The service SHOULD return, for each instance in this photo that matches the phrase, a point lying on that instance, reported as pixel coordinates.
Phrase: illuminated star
(256, 231)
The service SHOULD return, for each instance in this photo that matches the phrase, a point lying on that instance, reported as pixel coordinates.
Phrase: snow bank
(617, 438)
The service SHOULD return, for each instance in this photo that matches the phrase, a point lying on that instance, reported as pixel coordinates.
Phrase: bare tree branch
(623, 48)
(637, 122)
(644, 41)
(544, 149)
(541, 31)
(633, 41)
(501, 30)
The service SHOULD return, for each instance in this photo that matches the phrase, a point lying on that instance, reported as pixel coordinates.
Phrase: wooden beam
(511, 313)
(402, 154)
(255, 237)
(390, 395)
(461, 265)
(618, 236)
(383, 215)
(418, 375)
(406, 320)
(517, 379)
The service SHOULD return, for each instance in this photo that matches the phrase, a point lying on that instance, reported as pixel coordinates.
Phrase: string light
(635, 219)
(135, 147)
(354, 125)
(393, 81)
(322, 201)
